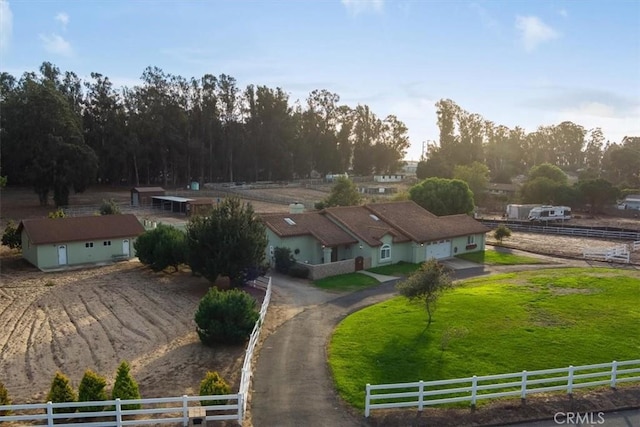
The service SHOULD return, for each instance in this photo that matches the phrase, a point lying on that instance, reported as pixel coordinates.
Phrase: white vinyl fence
(619, 253)
(425, 393)
(164, 410)
(154, 411)
(247, 368)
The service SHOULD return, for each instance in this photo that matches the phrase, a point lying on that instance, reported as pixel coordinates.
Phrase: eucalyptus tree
(230, 109)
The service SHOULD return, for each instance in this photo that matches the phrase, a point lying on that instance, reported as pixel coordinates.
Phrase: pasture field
(499, 324)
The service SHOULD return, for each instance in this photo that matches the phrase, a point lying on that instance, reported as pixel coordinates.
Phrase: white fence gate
(424, 393)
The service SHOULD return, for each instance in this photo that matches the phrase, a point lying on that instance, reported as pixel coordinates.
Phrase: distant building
(388, 178)
(143, 196)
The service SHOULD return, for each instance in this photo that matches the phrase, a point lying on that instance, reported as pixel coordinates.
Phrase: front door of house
(62, 255)
(125, 247)
(359, 263)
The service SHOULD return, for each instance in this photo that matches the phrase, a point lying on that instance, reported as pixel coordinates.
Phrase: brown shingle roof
(309, 223)
(423, 226)
(80, 228)
(360, 222)
(149, 189)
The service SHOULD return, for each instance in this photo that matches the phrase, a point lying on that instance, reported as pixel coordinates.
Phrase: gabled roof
(307, 224)
(364, 224)
(80, 228)
(423, 226)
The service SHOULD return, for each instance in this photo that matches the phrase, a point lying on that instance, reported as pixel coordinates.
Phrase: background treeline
(467, 138)
(60, 132)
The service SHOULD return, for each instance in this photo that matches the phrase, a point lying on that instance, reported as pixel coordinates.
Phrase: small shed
(170, 203)
(57, 243)
(142, 196)
(201, 207)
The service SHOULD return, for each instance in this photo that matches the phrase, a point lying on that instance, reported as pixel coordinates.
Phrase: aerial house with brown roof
(57, 243)
(356, 237)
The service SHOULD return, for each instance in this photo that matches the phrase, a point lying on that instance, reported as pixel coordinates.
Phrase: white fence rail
(153, 411)
(618, 253)
(115, 415)
(634, 246)
(425, 393)
(247, 368)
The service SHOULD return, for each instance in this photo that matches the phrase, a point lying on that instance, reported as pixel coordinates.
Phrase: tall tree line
(60, 133)
(467, 137)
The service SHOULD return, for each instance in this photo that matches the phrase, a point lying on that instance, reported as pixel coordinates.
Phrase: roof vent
(289, 221)
(375, 218)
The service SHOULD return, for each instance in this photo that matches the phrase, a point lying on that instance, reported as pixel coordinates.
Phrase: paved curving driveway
(292, 385)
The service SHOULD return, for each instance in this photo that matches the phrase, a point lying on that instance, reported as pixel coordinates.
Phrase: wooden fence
(426, 393)
(154, 411)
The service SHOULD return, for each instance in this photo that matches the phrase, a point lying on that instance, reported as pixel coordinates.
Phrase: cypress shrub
(213, 384)
(4, 399)
(125, 387)
(61, 391)
(92, 389)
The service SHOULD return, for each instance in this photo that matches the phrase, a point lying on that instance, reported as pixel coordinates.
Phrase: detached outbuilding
(56, 243)
(143, 196)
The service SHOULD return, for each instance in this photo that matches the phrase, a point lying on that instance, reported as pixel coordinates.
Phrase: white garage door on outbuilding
(439, 250)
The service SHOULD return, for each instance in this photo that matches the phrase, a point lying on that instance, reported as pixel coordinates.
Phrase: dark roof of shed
(149, 189)
(81, 228)
(309, 223)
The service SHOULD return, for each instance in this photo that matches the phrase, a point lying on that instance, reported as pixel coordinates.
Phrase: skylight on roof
(289, 221)
(374, 217)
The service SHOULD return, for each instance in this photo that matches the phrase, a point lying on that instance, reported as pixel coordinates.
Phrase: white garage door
(439, 250)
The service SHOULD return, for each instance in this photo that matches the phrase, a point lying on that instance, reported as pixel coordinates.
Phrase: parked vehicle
(518, 211)
(550, 213)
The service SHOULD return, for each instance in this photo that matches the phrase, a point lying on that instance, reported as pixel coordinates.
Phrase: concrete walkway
(380, 277)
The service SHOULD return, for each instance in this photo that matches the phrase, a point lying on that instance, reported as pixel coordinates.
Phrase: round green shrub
(92, 389)
(226, 317)
(213, 384)
(61, 391)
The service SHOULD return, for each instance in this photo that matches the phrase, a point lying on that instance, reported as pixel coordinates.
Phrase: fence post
(49, 413)
(570, 380)
(421, 395)
(474, 390)
(366, 400)
(240, 408)
(185, 411)
(523, 393)
(614, 371)
(118, 413)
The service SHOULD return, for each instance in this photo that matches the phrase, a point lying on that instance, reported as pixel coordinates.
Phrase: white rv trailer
(550, 213)
(519, 211)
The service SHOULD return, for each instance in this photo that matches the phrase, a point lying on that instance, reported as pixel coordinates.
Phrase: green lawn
(399, 269)
(500, 324)
(492, 257)
(346, 282)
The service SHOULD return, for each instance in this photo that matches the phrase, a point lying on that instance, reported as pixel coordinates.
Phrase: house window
(88, 245)
(385, 252)
(106, 243)
(471, 240)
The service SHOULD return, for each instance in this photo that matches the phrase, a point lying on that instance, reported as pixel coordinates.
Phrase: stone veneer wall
(320, 271)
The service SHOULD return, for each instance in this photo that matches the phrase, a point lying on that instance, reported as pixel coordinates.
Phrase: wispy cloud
(62, 18)
(487, 20)
(563, 13)
(534, 32)
(56, 44)
(6, 25)
(357, 7)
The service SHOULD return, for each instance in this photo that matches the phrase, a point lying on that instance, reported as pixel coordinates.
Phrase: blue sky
(526, 63)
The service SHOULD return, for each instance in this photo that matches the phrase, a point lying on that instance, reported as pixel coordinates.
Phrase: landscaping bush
(11, 237)
(213, 384)
(4, 399)
(92, 389)
(125, 387)
(299, 271)
(109, 207)
(284, 260)
(61, 391)
(226, 317)
(162, 247)
(501, 232)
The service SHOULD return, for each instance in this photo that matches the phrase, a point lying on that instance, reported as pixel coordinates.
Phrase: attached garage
(439, 249)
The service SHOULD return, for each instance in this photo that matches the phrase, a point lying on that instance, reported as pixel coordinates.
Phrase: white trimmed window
(385, 253)
(471, 239)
